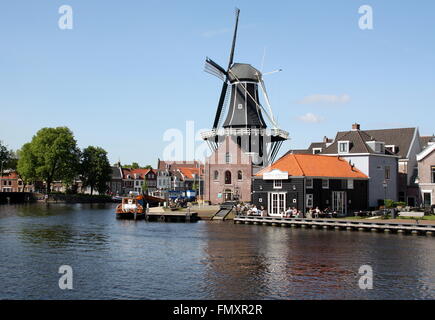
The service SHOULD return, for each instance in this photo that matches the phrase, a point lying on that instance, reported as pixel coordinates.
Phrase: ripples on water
(114, 259)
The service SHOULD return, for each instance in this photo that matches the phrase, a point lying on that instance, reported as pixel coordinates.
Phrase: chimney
(356, 126)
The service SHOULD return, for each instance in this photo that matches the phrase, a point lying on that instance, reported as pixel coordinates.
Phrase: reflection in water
(62, 236)
(205, 260)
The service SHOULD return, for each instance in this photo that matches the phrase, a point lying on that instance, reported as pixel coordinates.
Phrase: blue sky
(130, 70)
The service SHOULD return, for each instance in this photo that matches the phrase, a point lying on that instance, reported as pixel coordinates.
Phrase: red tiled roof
(310, 165)
(189, 172)
(139, 172)
(12, 175)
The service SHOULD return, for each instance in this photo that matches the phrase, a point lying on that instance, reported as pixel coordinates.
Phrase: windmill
(244, 121)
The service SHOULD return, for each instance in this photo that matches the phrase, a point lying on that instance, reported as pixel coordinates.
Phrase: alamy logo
(66, 20)
(366, 280)
(66, 280)
(366, 20)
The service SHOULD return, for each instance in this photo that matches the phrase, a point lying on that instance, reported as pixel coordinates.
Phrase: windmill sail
(214, 69)
(239, 100)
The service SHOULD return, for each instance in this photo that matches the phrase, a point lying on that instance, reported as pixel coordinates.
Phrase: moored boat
(129, 208)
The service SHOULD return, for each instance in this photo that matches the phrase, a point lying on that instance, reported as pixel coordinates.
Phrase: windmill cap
(243, 72)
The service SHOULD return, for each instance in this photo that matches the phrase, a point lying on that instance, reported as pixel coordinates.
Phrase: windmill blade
(214, 69)
(220, 105)
(234, 39)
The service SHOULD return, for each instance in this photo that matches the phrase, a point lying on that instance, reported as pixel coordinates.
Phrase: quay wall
(16, 197)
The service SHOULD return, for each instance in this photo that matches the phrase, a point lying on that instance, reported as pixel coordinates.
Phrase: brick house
(228, 174)
(426, 175)
(11, 182)
(179, 176)
(132, 180)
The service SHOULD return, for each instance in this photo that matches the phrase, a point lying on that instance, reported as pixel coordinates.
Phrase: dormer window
(392, 148)
(376, 146)
(317, 150)
(343, 146)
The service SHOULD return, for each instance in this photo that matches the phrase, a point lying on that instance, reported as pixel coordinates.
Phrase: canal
(114, 259)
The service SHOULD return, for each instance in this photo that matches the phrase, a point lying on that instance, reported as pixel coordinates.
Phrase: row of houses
(356, 170)
(179, 176)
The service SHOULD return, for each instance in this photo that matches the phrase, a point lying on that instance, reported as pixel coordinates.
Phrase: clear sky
(130, 70)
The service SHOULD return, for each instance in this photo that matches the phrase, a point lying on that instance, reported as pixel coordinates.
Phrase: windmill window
(227, 177)
(240, 106)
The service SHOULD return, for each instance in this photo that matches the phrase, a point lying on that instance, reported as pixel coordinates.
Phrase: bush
(389, 203)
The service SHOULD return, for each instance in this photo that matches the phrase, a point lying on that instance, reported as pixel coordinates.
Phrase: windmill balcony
(278, 133)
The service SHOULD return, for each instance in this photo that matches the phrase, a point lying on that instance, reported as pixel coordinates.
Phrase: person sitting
(254, 211)
(317, 212)
(295, 212)
(327, 212)
(288, 213)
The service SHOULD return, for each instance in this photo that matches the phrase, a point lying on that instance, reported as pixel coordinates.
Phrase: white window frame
(309, 186)
(340, 143)
(280, 199)
(317, 149)
(277, 186)
(327, 184)
(350, 184)
(391, 146)
(309, 198)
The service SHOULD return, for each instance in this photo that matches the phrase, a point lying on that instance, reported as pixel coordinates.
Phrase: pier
(175, 216)
(340, 224)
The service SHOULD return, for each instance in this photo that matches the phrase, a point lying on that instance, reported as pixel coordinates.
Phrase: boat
(129, 208)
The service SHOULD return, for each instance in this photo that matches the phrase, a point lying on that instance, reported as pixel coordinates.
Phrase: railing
(338, 223)
(244, 131)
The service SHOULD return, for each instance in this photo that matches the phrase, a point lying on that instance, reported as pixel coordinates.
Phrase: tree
(52, 155)
(95, 169)
(136, 165)
(5, 156)
(26, 168)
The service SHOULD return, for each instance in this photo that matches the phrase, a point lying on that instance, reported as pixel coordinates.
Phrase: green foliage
(95, 169)
(6, 157)
(136, 165)
(195, 186)
(52, 155)
(26, 166)
(389, 203)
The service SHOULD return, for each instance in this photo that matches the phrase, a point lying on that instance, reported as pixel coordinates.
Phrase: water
(114, 259)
